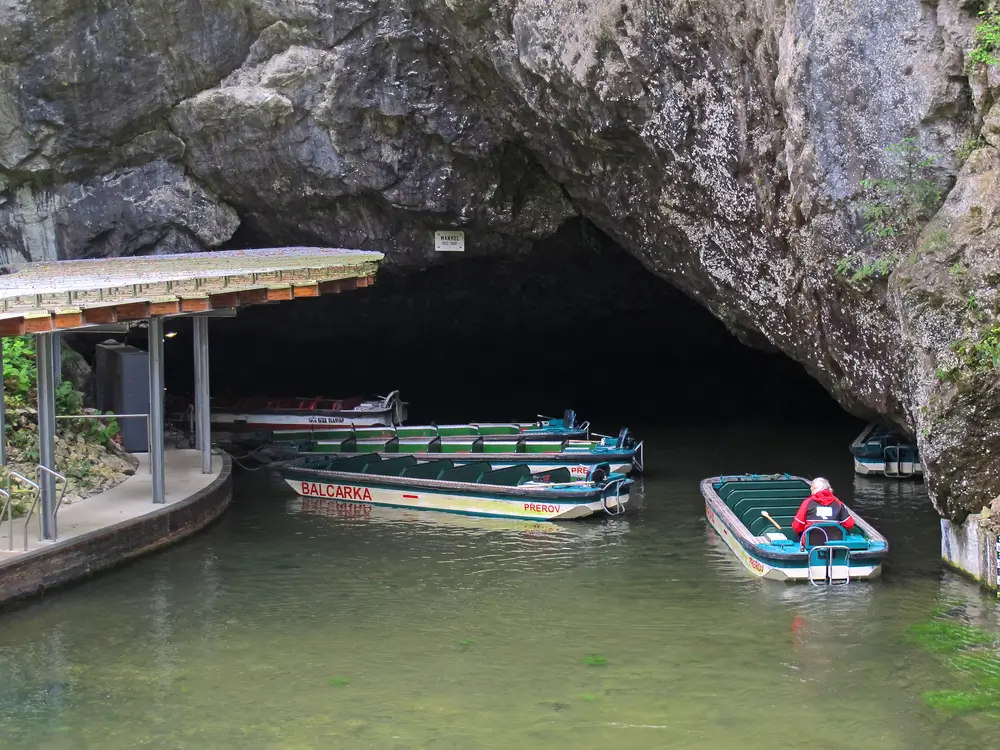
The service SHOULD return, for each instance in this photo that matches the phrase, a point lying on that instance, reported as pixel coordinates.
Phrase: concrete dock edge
(971, 550)
(81, 556)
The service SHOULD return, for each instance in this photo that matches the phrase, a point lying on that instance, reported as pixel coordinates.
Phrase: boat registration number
(335, 491)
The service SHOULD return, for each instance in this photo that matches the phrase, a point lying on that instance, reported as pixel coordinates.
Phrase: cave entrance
(577, 323)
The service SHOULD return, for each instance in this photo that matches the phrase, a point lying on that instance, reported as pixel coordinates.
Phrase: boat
(472, 489)
(753, 513)
(879, 450)
(622, 453)
(295, 414)
(544, 428)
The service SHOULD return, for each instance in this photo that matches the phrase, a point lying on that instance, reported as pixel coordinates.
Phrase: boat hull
(340, 432)
(466, 502)
(305, 422)
(875, 467)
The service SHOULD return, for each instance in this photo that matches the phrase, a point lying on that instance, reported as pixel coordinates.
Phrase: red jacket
(809, 512)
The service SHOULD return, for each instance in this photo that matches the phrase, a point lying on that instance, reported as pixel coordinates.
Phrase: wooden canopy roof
(74, 294)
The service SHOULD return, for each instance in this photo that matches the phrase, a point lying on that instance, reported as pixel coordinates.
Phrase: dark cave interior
(577, 323)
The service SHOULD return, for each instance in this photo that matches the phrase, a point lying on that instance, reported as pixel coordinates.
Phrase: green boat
(545, 428)
(474, 489)
(622, 453)
(753, 514)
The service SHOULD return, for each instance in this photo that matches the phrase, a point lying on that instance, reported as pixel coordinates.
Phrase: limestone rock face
(721, 143)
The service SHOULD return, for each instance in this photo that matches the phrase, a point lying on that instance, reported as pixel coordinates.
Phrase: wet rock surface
(723, 146)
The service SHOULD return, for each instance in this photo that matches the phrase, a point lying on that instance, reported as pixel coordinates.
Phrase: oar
(768, 517)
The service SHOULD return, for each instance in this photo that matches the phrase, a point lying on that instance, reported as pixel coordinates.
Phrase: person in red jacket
(821, 505)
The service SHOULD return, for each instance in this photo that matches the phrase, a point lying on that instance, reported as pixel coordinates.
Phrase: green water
(322, 626)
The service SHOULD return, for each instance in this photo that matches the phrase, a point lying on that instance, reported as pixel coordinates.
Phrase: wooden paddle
(768, 517)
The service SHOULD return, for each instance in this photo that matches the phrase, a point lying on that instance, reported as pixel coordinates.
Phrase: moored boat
(622, 453)
(879, 450)
(753, 515)
(297, 414)
(475, 488)
(544, 428)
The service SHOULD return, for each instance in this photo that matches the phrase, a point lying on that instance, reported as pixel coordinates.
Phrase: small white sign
(449, 241)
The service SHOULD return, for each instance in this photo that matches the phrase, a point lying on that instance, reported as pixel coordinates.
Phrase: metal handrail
(8, 508)
(619, 508)
(639, 457)
(55, 511)
(899, 472)
(23, 480)
(149, 433)
(831, 550)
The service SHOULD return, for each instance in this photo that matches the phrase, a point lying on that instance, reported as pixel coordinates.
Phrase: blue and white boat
(753, 513)
(880, 451)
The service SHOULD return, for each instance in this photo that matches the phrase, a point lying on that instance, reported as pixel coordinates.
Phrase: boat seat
(466, 472)
(354, 463)
(429, 470)
(727, 488)
(778, 495)
(390, 467)
(509, 477)
(749, 514)
(503, 446)
(378, 445)
(545, 446)
(766, 503)
(419, 445)
(498, 429)
(760, 525)
(560, 475)
(462, 445)
(350, 445)
(457, 430)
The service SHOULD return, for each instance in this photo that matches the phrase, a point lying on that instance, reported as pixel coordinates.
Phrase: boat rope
(238, 460)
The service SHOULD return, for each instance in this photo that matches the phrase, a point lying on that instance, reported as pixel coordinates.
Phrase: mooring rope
(238, 460)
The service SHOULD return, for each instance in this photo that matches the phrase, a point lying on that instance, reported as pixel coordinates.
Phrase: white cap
(819, 483)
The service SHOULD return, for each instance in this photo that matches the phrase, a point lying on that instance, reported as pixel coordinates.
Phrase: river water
(328, 625)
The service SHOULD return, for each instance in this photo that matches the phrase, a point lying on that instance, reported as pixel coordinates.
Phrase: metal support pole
(56, 359)
(202, 390)
(155, 333)
(3, 417)
(46, 431)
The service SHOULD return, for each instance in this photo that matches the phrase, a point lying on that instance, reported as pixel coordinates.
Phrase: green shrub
(981, 354)
(20, 374)
(898, 204)
(987, 36)
(894, 208)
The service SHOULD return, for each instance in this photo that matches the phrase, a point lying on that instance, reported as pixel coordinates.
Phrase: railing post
(8, 510)
(56, 359)
(202, 393)
(46, 429)
(155, 334)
